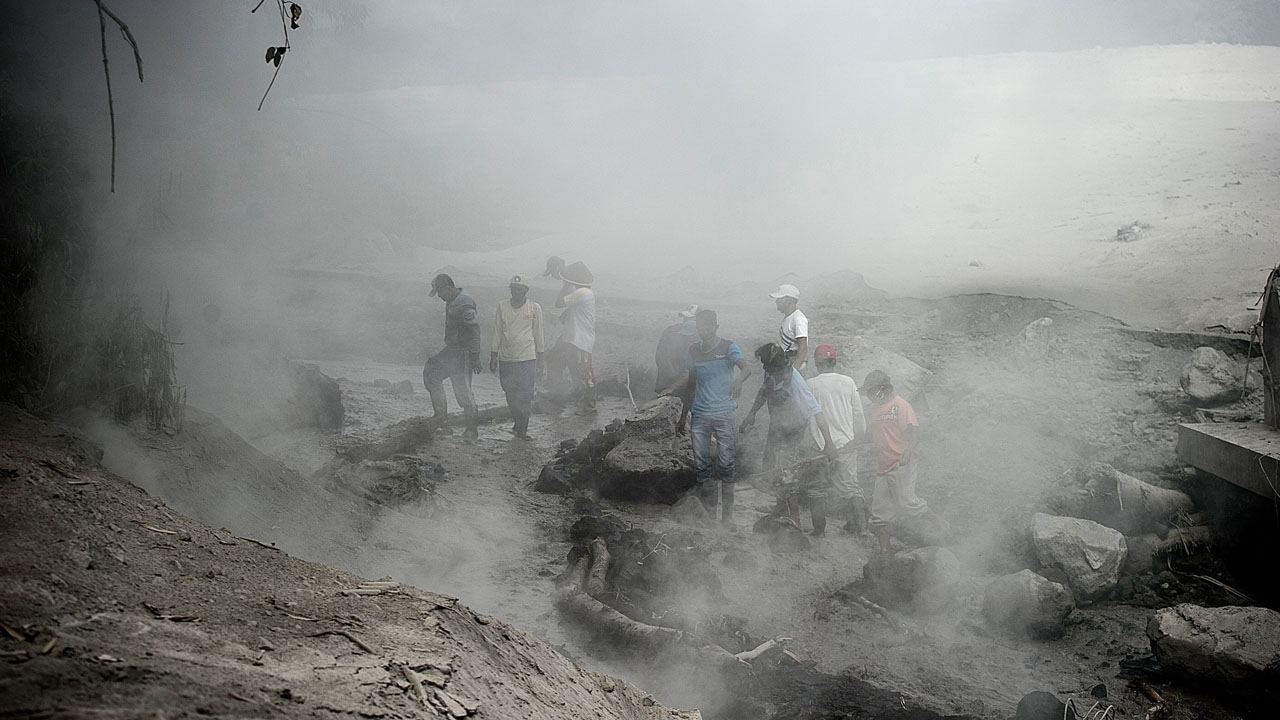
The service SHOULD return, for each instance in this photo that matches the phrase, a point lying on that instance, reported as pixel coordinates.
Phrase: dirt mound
(115, 604)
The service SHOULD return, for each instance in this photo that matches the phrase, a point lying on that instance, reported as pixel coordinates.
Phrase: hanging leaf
(280, 55)
(295, 13)
(271, 55)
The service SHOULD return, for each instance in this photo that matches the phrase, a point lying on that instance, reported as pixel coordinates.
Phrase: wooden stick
(416, 682)
(348, 636)
(762, 648)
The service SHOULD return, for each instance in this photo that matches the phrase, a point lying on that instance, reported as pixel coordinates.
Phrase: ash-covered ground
(1005, 422)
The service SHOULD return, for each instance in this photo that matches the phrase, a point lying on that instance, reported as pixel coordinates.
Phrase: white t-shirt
(794, 327)
(838, 396)
(579, 319)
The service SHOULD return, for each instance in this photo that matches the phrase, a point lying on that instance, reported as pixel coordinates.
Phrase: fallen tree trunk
(622, 630)
(1144, 550)
(598, 568)
(574, 600)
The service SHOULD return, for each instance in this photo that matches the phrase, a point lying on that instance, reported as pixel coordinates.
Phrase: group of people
(815, 426)
(517, 351)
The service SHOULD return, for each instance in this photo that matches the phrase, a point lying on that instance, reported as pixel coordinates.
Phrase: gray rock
(648, 470)
(1235, 646)
(385, 482)
(1210, 378)
(689, 510)
(404, 387)
(650, 463)
(315, 400)
(1027, 604)
(1090, 554)
(924, 579)
(1037, 339)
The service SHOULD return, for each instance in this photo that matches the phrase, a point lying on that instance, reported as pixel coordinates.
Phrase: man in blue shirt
(710, 362)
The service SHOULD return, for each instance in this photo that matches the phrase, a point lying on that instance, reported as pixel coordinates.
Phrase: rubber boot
(726, 504)
(818, 511)
(473, 426)
(440, 406)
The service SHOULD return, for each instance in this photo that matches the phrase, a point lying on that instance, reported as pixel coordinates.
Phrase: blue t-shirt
(791, 402)
(714, 368)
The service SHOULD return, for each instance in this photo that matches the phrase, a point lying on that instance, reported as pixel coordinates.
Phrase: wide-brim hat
(577, 274)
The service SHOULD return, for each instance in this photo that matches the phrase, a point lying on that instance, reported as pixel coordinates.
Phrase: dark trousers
(449, 363)
(577, 362)
(517, 378)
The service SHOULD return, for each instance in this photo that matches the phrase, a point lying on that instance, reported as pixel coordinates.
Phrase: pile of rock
(640, 459)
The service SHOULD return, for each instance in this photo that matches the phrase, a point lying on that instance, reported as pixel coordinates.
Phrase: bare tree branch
(128, 36)
(103, 13)
(111, 106)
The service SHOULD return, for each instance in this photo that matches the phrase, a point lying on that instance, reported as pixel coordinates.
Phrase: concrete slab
(1244, 454)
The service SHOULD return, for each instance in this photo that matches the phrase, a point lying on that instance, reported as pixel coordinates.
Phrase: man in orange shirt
(896, 434)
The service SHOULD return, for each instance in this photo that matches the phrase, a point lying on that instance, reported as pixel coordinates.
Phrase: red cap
(824, 352)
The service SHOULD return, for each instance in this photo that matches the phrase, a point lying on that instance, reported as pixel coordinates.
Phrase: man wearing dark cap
(896, 434)
(791, 407)
(460, 356)
(572, 351)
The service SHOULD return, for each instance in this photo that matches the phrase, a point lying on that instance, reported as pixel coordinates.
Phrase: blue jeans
(702, 428)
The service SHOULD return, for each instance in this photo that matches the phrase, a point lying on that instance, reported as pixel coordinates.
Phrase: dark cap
(876, 379)
(439, 282)
(555, 264)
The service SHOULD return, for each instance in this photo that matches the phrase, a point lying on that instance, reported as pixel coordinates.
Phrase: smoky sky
(638, 135)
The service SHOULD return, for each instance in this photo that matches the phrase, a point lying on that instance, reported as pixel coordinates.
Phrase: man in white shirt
(573, 350)
(794, 334)
(516, 352)
(838, 396)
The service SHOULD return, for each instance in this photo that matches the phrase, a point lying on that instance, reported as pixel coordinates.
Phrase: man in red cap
(838, 396)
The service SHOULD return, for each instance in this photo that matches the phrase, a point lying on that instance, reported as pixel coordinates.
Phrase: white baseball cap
(790, 291)
(689, 311)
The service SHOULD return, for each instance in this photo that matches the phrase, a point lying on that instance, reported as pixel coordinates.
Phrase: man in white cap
(516, 352)
(578, 338)
(673, 346)
(794, 333)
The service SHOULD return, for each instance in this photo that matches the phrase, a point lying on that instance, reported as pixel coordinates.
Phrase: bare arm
(744, 372)
(802, 352)
(859, 417)
(828, 445)
(684, 378)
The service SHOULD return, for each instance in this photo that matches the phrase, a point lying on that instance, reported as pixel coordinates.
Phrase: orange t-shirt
(888, 427)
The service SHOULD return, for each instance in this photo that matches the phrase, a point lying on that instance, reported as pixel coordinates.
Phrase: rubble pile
(640, 459)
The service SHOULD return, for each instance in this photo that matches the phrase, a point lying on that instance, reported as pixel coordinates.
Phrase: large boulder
(640, 469)
(1089, 554)
(650, 462)
(1210, 378)
(315, 400)
(1235, 646)
(923, 580)
(640, 459)
(1027, 604)
(398, 482)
